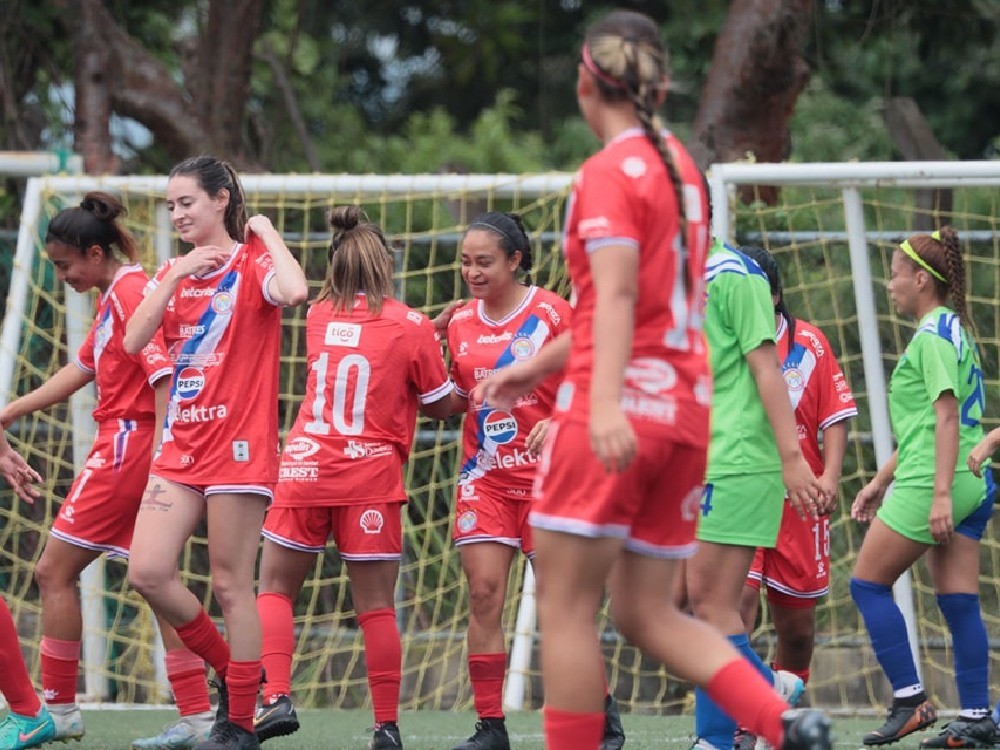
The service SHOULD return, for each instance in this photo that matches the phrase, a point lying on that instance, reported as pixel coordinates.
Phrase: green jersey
(739, 317)
(941, 357)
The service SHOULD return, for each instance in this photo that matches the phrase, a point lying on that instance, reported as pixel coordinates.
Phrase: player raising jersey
(219, 309)
(623, 464)
(937, 505)
(372, 363)
(91, 249)
(796, 572)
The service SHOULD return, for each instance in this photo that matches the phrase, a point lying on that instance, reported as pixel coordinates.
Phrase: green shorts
(743, 510)
(906, 509)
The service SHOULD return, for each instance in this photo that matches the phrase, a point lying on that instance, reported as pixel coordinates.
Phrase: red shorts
(365, 531)
(207, 490)
(99, 511)
(488, 516)
(797, 571)
(653, 505)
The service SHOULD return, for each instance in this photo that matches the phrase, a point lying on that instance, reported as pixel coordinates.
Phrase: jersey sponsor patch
(500, 427)
(301, 448)
(633, 166)
(794, 379)
(371, 521)
(342, 334)
(222, 303)
(467, 521)
(522, 348)
(190, 382)
(241, 450)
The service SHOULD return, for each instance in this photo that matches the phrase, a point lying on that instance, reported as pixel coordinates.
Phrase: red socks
(570, 730)
(201, 636)
(60, 667)
(277, 643)
(186, 672)
(384, 659)
(486, 671)
(802, 674)
(743, 693)
(243, 681)
(15, 683)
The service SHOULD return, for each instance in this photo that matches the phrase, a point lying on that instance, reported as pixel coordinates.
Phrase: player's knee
(148, 578)
(485, 598)
(50, 577)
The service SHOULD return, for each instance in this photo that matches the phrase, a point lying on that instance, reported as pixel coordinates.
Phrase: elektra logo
(190, 382)
(500, 427)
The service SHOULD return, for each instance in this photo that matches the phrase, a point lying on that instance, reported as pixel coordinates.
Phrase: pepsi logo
(190, 382)
(500, 427)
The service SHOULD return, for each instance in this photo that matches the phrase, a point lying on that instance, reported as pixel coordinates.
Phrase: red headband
(589, 64)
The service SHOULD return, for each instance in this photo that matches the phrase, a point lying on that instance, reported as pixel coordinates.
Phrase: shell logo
(371, 521)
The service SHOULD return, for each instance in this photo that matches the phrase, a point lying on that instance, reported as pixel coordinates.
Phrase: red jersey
(819, 392)
(223, 332)
(123, 380)
(367, 375)
(622, 196)
(494, 456)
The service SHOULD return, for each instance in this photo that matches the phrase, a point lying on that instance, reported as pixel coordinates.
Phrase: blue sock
(887, 631)
(968, 641)
(711, 723)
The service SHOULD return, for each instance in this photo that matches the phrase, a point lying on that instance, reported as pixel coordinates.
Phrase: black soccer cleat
(222, 706)
(386, 737)
(614, 732)
(965, 733)
(806, 729)
(901, 721)
(491, 734)
(228, 736)
(276, 719)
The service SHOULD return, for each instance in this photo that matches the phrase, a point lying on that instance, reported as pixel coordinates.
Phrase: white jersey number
(346, 423)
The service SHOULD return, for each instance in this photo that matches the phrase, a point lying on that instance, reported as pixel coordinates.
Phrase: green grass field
(115, 729)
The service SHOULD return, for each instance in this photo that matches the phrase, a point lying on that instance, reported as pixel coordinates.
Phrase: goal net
(832, 233)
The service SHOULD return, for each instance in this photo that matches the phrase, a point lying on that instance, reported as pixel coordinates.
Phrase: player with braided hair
(623, 464)
(938, 505)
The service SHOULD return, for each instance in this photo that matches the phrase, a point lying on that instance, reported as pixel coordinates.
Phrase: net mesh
(805, 230)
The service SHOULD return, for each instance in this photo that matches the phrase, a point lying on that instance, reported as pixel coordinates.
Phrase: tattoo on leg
(150, 499)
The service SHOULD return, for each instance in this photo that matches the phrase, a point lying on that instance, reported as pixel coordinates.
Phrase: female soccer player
(506, 321)
(623, 464)
(372, 363)
(796, 572)
(937, 505)
(87, 244)
(219, 308)
(27, 723)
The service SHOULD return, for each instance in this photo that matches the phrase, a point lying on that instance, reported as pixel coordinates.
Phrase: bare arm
(15, 470)
(161, 394)
(504, 387)
(834, 449)
(67, 381)
(983, 451)
(615, 271)
(444, 407)
(945, 458)
(288, 285)
(800, 483)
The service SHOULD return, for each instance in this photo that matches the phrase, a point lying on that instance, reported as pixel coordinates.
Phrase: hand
(977, 456)
(505, 386)
(537, 436)
(200, 261)
(15, 470)
(611, 436)
(867, 501)
(6, 420)
(260, 225)
(828, 494)
(941, 522)
(443, 318)
(802, 487)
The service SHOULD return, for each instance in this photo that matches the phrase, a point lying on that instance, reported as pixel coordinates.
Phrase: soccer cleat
(744, 739)
(19, 732)
(902, 720)
(965, 733)
(68, 721)
(614, 732)
(276, 719)
(806, 729)
(789, 686)
(701, 743)
(228, 736)
(491, 734)
(386, 737)
(183, 734)
(222, 706)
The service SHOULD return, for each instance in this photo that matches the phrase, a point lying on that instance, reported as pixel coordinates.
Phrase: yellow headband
(907, 248)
